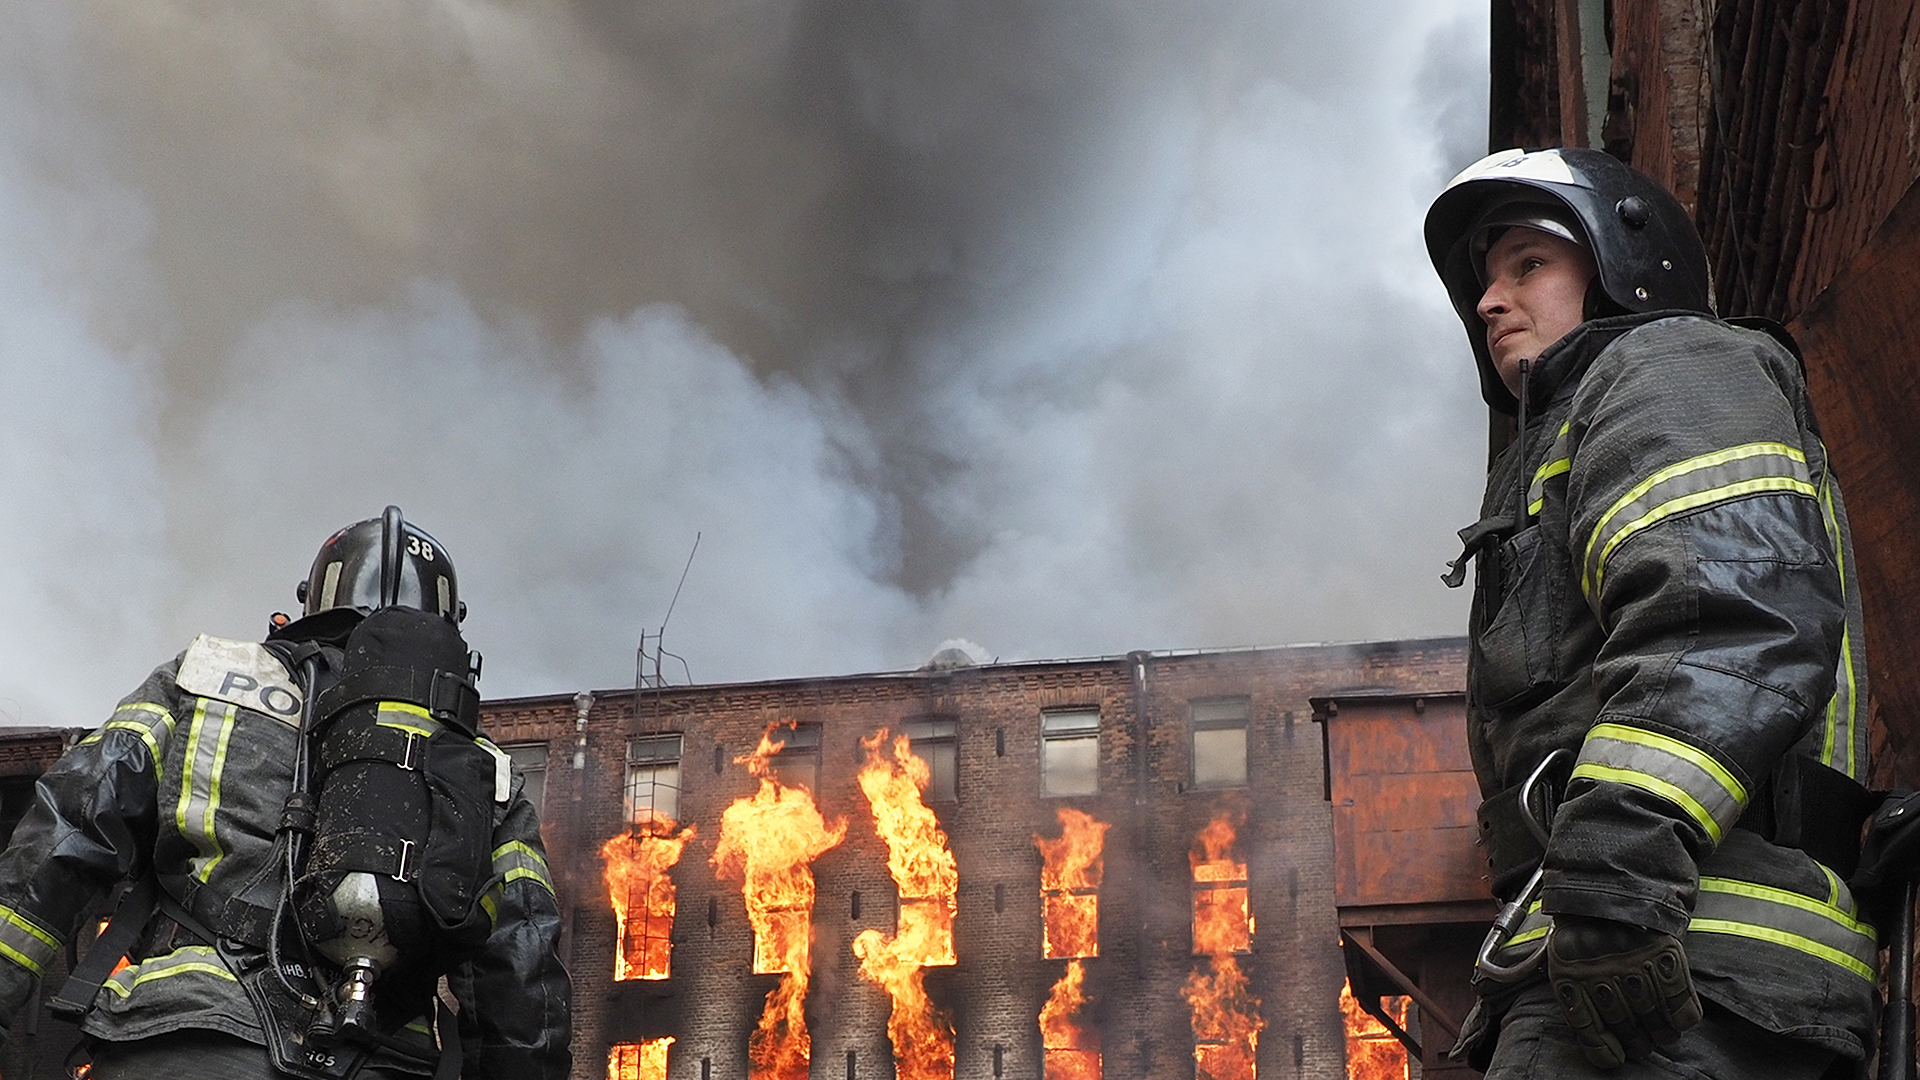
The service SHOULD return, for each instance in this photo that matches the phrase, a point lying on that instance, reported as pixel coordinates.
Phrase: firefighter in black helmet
(188, 790)
(1665, 650)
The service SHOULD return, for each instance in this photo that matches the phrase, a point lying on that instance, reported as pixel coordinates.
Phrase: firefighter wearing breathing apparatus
(315, 833)
(1665, 651)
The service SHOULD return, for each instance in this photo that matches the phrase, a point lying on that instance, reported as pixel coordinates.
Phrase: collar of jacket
(1561, 364)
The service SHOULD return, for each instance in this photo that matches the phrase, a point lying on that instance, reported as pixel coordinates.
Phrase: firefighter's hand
(1624, 988)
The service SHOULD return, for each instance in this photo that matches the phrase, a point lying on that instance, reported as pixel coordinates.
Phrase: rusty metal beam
(1362, 939)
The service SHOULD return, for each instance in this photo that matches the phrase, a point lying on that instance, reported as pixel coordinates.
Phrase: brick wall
(712, 1000)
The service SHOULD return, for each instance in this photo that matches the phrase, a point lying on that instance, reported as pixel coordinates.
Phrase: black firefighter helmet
(1649, 255)
(382, 562)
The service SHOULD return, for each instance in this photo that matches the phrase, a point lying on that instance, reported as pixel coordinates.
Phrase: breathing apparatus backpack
(404, 795)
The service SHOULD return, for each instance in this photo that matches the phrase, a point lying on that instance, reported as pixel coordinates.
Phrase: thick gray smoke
(1064, 326)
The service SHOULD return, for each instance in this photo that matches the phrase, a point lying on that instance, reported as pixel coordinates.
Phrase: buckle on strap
(406, 870)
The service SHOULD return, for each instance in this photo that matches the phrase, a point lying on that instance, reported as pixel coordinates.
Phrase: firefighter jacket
(188, 779)
(1665, 588)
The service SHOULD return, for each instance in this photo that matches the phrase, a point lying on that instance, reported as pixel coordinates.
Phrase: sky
(1058, 327)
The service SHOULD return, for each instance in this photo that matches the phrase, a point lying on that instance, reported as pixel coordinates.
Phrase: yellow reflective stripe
(213, 795)
(1689, 485)
(404, 707)
(491, 907)
(1841, 706)
(1558, 462)
(1803, 923)
(140, 726)
(515, 860)
(1756, 891)
(26, 943)
(411, 729)
(521, 848)
(419, 1026)
(181, 961)
(1657, 786)
(186, 774)
(1681, 773)
(1532, 928)
(1780, 937)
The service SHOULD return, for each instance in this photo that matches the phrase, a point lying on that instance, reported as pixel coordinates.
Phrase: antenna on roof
(655, 679)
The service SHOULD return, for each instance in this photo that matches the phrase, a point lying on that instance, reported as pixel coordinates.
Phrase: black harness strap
(130, 917)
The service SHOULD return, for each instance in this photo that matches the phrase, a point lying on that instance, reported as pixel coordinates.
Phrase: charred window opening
(639, 1061)
(1070, 752)
(1219, 730)
(935, 741)
(653, 780)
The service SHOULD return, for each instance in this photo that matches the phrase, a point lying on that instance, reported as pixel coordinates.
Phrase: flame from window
(639, 1061)
(768, 841)
(1225, 1014)
(1372, 1051)
(642, 894)
(1072, 1053)
(924, 872)
(1070, 873)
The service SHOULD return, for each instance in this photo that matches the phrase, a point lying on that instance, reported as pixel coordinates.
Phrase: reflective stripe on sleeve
(1690, 485)
(1760, 913)
(1558, 463)
(186, 960)
(397, 714)
(26, 942)
(515, 860)
(152, 723)
(1676, 771)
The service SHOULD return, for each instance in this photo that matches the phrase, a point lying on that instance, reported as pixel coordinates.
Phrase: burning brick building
(1119, 868)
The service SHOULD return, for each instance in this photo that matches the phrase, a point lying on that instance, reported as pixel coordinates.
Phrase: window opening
(530, 764)
(1070, 752)
(935, 741)
(796, 762)
(653, 779)
(1219, 743)
(645, 1060)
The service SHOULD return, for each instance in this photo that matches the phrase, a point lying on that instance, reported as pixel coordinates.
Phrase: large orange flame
(768, 841)
(642, 895)
(1226, 1015)
(1069, 882)
(1372, 1051)
(1071, 1052)
(1070, 872)
(639, 1061)
(924, 872)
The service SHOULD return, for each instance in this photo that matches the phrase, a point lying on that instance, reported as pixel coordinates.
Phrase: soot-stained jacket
(1666, 590)
(189, 777)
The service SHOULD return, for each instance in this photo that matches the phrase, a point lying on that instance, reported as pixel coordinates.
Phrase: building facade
(1159, 748)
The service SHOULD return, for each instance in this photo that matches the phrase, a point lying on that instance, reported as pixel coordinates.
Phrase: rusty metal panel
(1403, 795)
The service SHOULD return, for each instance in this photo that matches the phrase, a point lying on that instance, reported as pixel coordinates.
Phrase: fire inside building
(1112, 868)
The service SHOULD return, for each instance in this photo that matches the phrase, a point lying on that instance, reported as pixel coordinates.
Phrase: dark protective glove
(1624, 988)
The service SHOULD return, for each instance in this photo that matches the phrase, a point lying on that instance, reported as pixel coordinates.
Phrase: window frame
(1058, 729)
(940, 734)
(649, 752)
(1225, 708)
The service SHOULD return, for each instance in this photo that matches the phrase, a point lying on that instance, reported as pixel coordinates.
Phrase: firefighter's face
(1536, 293)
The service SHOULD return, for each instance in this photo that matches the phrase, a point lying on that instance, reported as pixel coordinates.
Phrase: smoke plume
(1063, 326)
